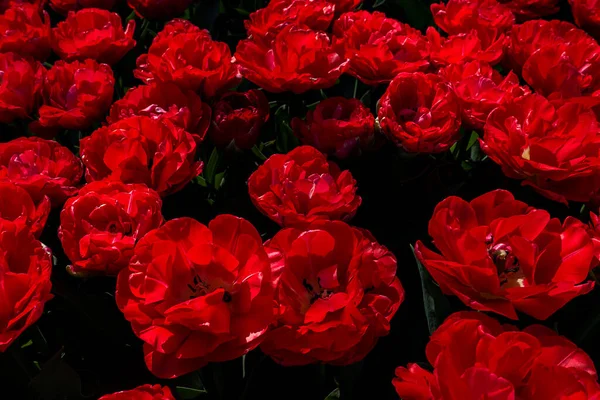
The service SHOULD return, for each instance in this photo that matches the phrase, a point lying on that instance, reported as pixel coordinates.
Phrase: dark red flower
(238, 118)
(26, 31)
(159, 9)
(580, 49)
(93, 33)
(144, 392)
(101, 225)
(165, 101)
(420, 112)
(530, 9)
(337, 126)
(474, 357)
(20, 87)
(300, 187)
(197, 294)
(17, 207)
(379, 48)
(481, 89)
(75, 96)
(265, 23)
(487, 46)
(587, 15)
(184, 54)
(64, 6)
(297, 60)
(336, 294)
(462, 16)
(142, 150)
(555, 150)
(562, 70)
(42, 167)
(500, 255)
(25, 267)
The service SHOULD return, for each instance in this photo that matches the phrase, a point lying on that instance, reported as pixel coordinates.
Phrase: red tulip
(498, 254)
(301, 187)
(196, 294)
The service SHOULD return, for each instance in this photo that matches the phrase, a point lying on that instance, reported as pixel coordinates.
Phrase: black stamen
(307, 285)
(226, 297)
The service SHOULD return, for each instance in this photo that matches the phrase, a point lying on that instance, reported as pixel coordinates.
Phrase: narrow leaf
(437, 307)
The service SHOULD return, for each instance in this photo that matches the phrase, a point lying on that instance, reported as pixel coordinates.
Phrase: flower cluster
(103, 125)
(475, 357)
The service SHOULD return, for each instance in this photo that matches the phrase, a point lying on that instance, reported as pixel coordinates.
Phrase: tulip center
(199, 287)
(507, 265)
(316, 292)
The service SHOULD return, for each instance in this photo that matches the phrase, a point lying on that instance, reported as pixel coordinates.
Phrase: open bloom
(25, 267)
(20, 87)
(420, 112)
(555, 150)
(26, 31)
(461, 16)
(265, 23)
(336, 294)
(379, 48)
(474, 357)
(300, 187)
(101, 225)
(42, 167)
(238, 118)
(531, 36)
(500, 255)
(480, 89)
(564, 69)
(93, 33)
(164, 101)
(159, 9)
(75, 95)
(197, 294)
(144, 392)
(297, 60)
(186, 55)
(337, 126)
(17, 207)
(142, 150)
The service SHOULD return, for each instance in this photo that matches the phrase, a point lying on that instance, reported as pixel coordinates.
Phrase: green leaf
(378, 3)
(130, 16)
(241, 11)
(333, 395)
(201, 181)
(476, 153)
(188, 393)
(219, 180)
(437, 307)
(258, 153)
(472, 139)
(190, 386)
(211, 166)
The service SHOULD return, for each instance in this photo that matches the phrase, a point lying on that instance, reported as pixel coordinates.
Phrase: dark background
(83, 348)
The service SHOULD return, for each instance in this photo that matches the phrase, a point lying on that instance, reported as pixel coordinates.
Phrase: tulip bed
(299, 199)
